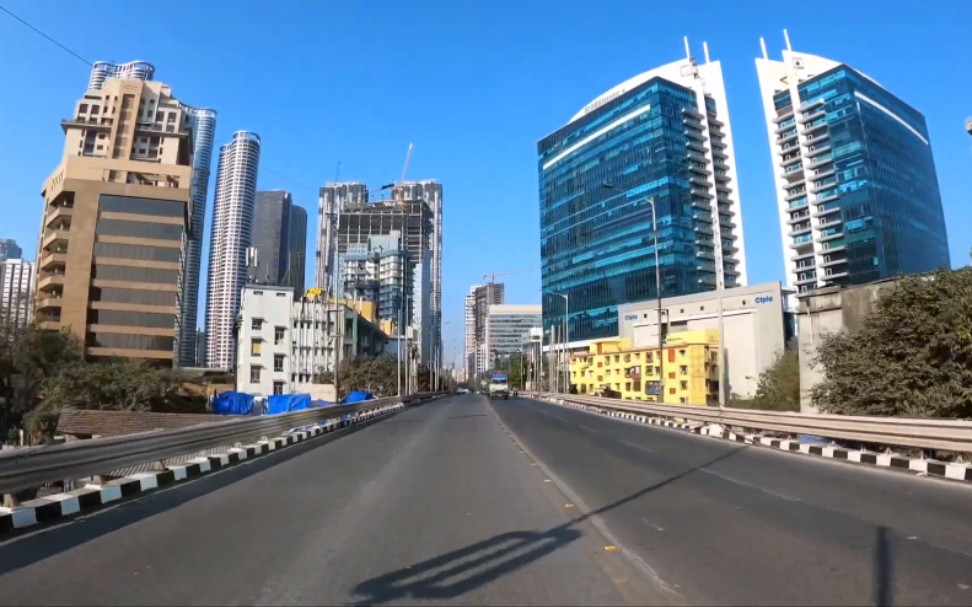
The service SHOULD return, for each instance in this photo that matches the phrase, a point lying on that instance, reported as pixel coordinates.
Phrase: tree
(912, 355)
(779, 385)
(373, 374)
(116, 385)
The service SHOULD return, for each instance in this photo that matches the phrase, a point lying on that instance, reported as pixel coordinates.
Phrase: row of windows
(138, 252)
(131, 342)
(131, 274)
(142, 206)
(135, 296)
(139, 229)
(127, 318)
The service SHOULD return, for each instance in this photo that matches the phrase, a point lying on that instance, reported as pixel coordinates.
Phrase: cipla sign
(764, 299)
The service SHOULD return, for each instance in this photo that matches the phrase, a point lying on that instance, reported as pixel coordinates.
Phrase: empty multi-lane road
(463, 501)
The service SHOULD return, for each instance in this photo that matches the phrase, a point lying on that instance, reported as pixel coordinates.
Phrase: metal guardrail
(924, 433)
(34, 466)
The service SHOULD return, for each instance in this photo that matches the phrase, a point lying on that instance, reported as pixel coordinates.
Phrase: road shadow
(883, 574)
(450, 575)
(34, 544)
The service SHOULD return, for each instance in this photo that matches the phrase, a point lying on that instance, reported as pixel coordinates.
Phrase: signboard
(762, 299)
(653, 387)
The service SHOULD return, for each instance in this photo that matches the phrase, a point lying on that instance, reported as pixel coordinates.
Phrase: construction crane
(408, 158)
(491, 277)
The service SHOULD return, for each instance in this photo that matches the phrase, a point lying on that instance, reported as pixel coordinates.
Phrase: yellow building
(691, 367)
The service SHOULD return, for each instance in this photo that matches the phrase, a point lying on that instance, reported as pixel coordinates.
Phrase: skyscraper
(507, 329)
(334, 197)
(382, 272)
(855, 179)
(279, 237)
(661, 139)
(469, 332)
(112, 242)
(203, 123)
(480, 298)
(233, 210)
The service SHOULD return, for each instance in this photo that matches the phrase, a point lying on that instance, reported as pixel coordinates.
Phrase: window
(255, 374)
(278, 387)
(256, 324)
(278, 335)
(278, 363)
(256, 347)
(142, 206)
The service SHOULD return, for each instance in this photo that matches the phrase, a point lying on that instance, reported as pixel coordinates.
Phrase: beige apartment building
(115, 224)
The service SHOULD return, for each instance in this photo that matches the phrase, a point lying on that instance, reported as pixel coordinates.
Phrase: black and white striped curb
(52, 507)
(926, 467)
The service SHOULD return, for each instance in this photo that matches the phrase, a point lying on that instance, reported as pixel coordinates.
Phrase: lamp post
(566, 333)
(658, 295)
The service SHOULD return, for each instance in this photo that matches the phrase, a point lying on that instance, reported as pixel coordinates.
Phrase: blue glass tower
(855, 176)
(663, 136)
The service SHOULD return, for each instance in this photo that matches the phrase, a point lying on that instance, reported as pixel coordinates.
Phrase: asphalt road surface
(728, 524)
(464, 501)
(435, 505)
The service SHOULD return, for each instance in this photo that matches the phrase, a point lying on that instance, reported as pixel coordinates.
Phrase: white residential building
(16, 291)
(263, 367)
(233, 212)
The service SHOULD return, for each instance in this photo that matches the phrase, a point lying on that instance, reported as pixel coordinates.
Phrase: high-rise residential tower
(101, 71)
(661, 139)
(279, 237)
(202, 122)
(334, 198)
(233, 210)
(115, 223)
(483, 296)
(855, 179)
(469, 332)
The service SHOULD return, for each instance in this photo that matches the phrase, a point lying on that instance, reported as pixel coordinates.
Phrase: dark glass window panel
(131, 274)
(139, 229)
(131, 342)
(135, 296)
(129, 318)
(142, 206)
(137, 251)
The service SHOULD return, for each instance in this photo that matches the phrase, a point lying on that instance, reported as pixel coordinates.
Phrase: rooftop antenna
(762, 45)
(786, 37)
(688, 50)
(337, 172)
(705, 51)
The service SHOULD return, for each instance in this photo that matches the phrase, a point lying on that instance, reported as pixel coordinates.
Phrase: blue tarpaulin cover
(232, 403)
(358, 396)
(282, 403)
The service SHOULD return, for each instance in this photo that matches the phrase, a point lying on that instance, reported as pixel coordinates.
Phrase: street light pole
(566, 335)
(658, 295)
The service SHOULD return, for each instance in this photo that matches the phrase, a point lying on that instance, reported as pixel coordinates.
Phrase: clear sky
(474, 85)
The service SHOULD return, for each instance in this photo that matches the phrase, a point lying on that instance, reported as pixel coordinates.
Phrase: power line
(45, 36)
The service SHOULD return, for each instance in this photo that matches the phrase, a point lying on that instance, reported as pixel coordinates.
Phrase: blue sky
(474, 85)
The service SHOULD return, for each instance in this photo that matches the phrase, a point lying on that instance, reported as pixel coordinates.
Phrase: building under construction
(349, 220)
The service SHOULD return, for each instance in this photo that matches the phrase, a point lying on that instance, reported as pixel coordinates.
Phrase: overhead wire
(45, 36)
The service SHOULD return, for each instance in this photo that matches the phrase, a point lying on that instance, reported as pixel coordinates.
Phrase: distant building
(279, 237)
(200, 351)
(856, 187)
(633, 373)
(287, 346)
(233, 209)
(382, 272)
(480, 298)
(507, 328)
(662, 140)
(9, 249)
(756, 324)
(16, 291)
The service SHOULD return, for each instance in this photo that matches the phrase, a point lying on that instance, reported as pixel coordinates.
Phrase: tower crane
(491, 277)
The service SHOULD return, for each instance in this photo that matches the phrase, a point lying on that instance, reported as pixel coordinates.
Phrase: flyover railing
(35, 466)
(924, 433)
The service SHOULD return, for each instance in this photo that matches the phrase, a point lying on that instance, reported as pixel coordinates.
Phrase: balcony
(692, 144)
(52, 302)
(49, 325)
(50, 282)
(824, 210)
(813, 115)
(55, 238)
(52, 261)
(62, 213)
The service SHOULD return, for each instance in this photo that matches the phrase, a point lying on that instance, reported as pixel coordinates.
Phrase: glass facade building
(663, 136)
(855, 177)
(507, 329)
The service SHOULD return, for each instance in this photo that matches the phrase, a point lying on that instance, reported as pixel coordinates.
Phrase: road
(464, 501)
(729, 524)
(434, 505)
